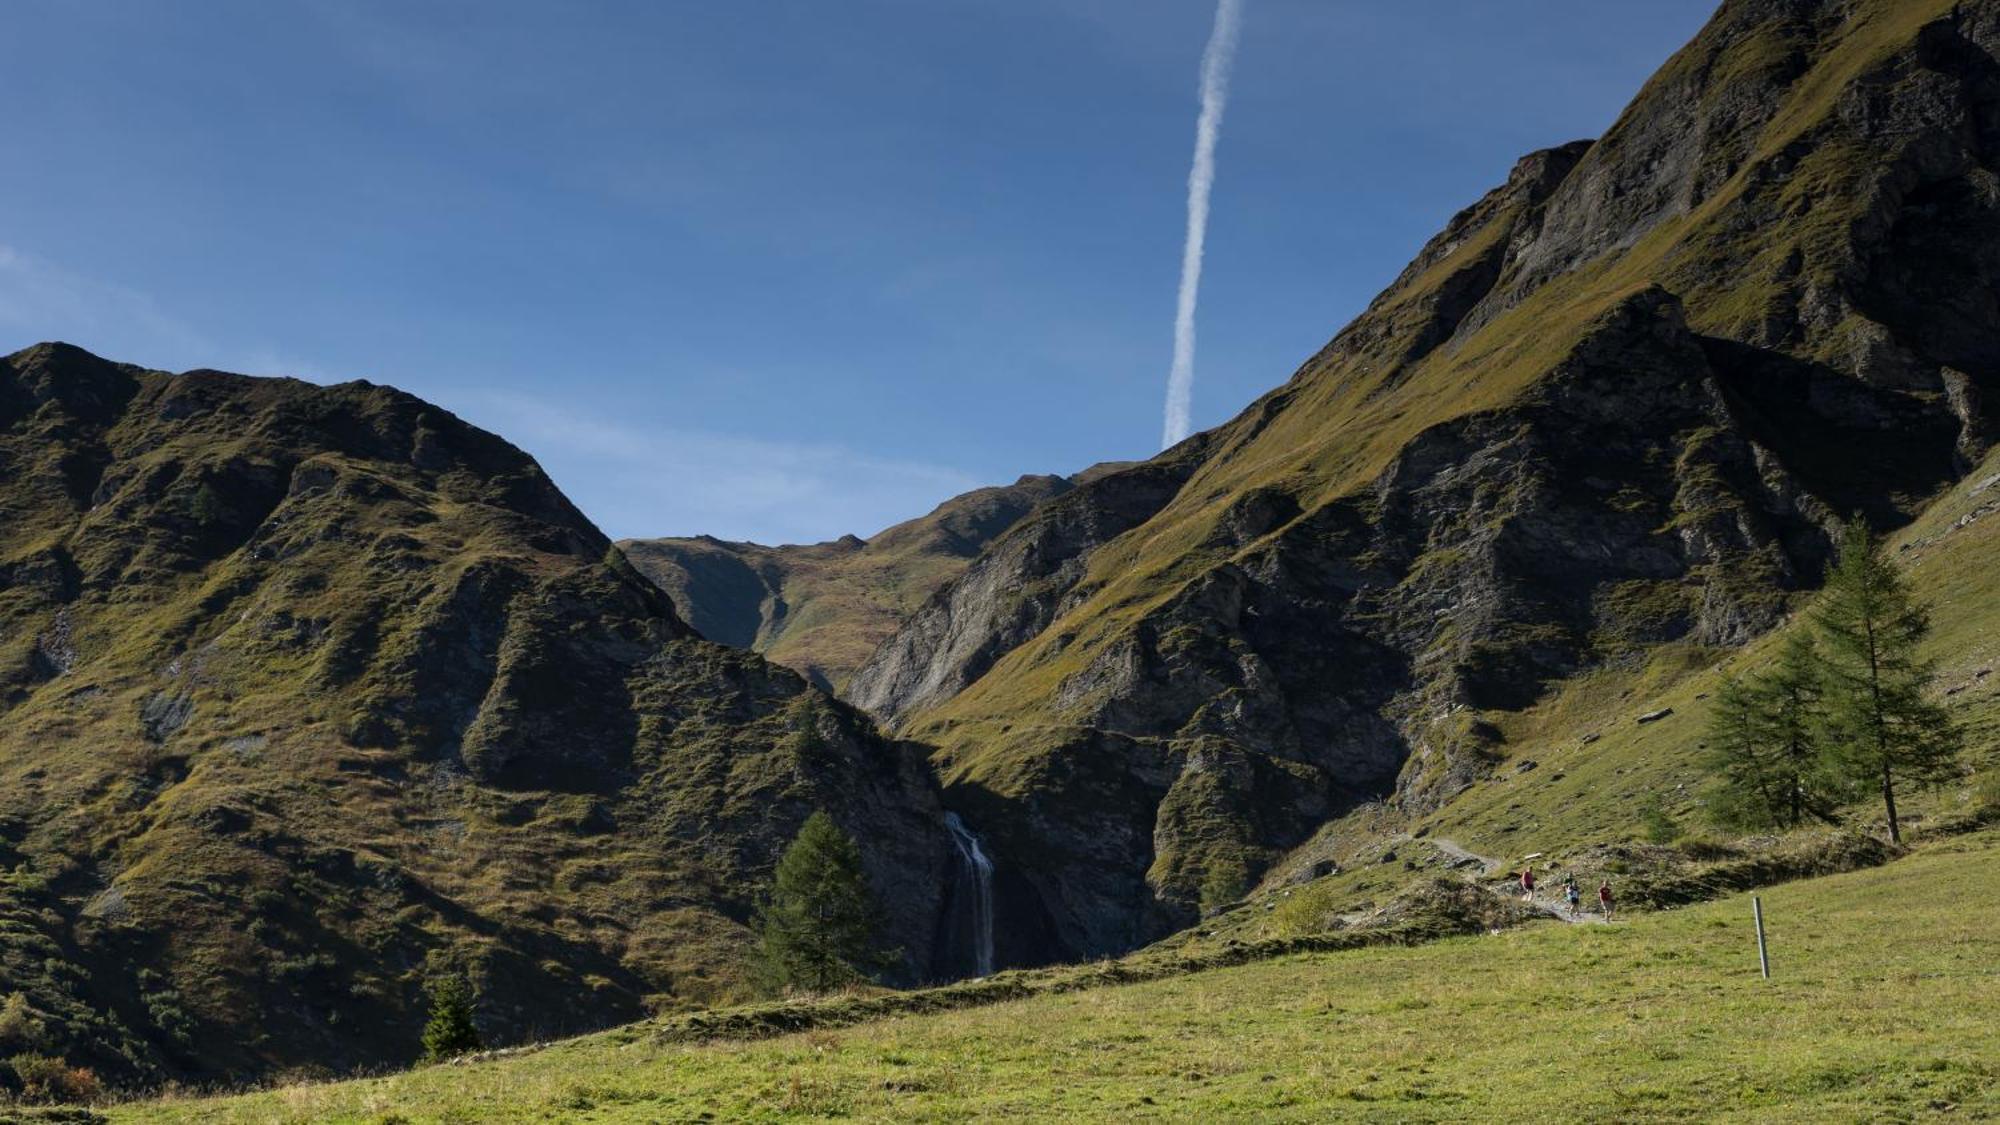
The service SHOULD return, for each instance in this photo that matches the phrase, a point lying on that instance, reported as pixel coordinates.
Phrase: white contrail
(1215, 63)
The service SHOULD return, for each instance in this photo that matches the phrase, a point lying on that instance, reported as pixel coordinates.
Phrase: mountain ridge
(307, 691)
(821, 608)
(1286, 633)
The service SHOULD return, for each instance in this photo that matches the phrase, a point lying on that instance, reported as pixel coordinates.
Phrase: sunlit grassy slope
(1659, 1018)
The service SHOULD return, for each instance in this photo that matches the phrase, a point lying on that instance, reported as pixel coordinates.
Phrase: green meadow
(1881, 1007)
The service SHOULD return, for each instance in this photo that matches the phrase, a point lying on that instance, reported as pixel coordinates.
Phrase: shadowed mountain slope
(304, 690)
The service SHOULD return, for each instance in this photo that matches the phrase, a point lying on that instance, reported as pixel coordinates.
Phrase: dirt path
(1558, 909)
(1462, 858)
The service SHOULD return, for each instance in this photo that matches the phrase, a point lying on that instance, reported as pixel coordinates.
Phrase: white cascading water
(979, 873)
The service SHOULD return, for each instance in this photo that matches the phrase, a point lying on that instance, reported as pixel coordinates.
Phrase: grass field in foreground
(1882, 1007)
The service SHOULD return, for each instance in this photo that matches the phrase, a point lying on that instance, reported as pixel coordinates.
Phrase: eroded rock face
(1619, 506)
(1618, 402)
(1013, 591)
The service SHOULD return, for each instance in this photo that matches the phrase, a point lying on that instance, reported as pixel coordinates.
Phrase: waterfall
(979, 873)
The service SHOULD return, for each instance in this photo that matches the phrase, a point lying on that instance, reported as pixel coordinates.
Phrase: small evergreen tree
(1765, 742)
(802, 737)
(449, 1032)
(818, 927)
(1746, 793)
(1792, 697)
(206, 506)
(1881, 728)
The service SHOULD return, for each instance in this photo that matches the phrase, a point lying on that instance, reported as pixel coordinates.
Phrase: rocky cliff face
(1011, 593)
(821, 609)
(1617, 402)
(306, 689)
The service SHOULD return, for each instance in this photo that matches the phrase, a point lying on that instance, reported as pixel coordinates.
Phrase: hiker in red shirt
(1528, 883)
(1604, 898)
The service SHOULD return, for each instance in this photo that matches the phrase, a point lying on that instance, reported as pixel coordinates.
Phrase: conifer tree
(1746, 794)
(1791, 699)
(1881, 728)
(819, 926)
(1766, 743)
(449, 1032)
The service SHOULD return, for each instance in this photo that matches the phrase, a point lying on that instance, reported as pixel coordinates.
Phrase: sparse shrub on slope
(450, 1032)
(1986, 793)
(21, 1028)
(47, 1080)
(1657, 823)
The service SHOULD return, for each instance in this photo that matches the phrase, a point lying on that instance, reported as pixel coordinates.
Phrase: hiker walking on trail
(1575, 898)
(1528, 883)
(1604, 898)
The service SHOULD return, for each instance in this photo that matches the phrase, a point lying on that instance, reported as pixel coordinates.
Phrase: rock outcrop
(1011, 593)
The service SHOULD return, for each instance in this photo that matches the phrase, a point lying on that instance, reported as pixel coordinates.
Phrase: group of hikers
(1572, 894)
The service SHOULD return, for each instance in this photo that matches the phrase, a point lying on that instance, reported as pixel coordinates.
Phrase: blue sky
(767, 269)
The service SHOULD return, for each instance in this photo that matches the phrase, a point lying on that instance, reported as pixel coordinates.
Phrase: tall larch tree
(1883, 729)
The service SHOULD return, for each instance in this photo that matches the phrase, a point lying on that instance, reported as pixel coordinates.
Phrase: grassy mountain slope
(1607, 417)
(1659, 1018)
(306, 690)
(821, 609)
(1573, 772)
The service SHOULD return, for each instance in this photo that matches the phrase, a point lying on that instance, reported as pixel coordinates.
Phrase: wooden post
(1763, 956)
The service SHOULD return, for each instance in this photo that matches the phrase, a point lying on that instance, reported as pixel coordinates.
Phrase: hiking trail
(1462, 859)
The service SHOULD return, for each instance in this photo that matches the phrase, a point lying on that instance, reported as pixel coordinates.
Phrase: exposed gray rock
(822, 608)
(164, 713)
(1012, 592)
